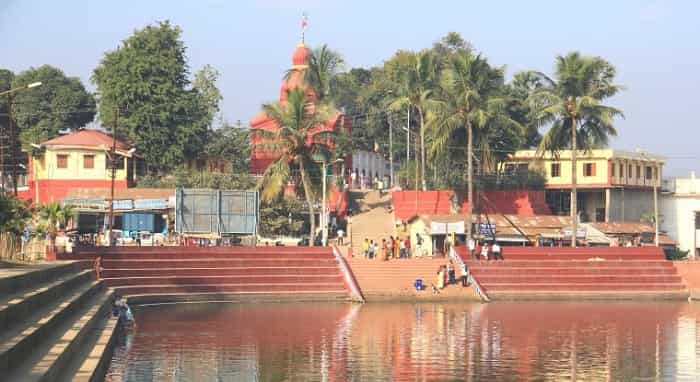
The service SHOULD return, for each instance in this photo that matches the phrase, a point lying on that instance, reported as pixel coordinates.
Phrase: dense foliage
(146, 80)
(61, 103)
(14, 214)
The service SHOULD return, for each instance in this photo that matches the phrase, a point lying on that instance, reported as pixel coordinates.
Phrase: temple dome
(300, 58)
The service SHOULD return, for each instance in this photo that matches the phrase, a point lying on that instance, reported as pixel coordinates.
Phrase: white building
(680, 212)
(368, 165)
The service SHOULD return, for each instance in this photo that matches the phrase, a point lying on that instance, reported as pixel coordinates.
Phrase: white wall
(371, 163)
(678, 219)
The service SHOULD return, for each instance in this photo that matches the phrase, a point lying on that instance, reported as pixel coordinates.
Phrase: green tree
(281, 217)
(60, 103)
(14, 214)
(469, 100)
(232, 143)
(324, 64)
(416, 90)
(205, 83)
(185, 178)
(55, 217)
(299, 143)
(146, 80)
(571, 105)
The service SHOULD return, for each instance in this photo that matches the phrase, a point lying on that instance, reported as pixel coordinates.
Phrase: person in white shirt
(496, 249)
(340, 234)
(485, 251)
(472, 245)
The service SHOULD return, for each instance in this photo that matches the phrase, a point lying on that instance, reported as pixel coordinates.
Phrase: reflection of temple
(261, 157)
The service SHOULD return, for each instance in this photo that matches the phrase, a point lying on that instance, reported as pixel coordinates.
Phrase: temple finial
(304, 24)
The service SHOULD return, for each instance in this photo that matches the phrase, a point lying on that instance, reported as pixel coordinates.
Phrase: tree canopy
(146, 80)
(60, 103)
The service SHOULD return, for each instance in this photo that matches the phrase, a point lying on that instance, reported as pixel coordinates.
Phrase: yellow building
(78, 160)
(612, 185)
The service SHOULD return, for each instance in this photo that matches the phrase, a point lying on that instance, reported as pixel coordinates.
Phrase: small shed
(433, 230)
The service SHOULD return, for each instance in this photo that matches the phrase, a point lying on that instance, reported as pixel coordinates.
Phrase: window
(697, 220)
(629, 172)
(622, 171)
(639, 172)
(88, 161)
(61, 161)
(648, 173)
(612, 171)
(555, 169)
(589, 169)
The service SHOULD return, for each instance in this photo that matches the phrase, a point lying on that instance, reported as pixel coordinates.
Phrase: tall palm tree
(54, 217)
(468, 100)
(571, 104)
(416, 91)
(299, 140)
(324, 64)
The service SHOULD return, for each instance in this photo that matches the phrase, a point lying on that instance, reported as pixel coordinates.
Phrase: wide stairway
(52, 322)
(586, 272)
(182, 273)
(371, 220)
(394, 279)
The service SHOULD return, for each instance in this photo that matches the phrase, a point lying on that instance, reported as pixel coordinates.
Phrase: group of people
(485, 253)
(446, 275)
(362, 180)
(392, 248)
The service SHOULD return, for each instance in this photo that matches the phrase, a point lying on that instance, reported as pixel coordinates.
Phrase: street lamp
(10, 98)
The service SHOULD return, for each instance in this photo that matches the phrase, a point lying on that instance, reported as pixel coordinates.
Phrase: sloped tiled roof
(87, 138)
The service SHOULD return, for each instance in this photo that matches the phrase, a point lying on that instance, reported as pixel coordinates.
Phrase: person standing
(408, 246)
(365, 248)
(496, 249)
(471, 244)
(485, 251)
(353, 179)
(385, 252)
(465, 275)
(340, 234)
(402, 249)
(390, 247)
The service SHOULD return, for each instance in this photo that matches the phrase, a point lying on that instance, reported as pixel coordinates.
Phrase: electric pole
(391, 154)
(113, 173)
(11, 139)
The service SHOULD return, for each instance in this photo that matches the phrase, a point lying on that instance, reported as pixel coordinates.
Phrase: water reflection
(652, 341)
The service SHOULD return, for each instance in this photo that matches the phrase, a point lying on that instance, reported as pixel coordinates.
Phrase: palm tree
(416, 91)
(299, 140)
(54, 217)
(571, 104)
(468, 100)
(324, 64)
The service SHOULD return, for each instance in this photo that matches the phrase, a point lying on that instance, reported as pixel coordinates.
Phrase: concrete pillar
(607, 205)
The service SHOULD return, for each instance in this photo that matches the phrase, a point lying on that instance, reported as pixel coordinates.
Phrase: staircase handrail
(355, 293)
(470, 278)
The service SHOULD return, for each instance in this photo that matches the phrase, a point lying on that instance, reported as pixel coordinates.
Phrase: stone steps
(214, 263)
(49, 362)
(247, 288)
(46, 324)
(207, 271)
(251, 279)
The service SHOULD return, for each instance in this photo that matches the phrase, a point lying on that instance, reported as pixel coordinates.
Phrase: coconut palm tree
(300, 141)
(416, 90)
(54, 217)
(468, 100)
(324, 64)
(571, 104)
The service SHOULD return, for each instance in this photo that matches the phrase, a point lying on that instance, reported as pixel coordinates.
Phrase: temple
(261, 157)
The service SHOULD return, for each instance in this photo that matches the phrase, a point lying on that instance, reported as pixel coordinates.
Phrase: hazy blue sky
(654, 45)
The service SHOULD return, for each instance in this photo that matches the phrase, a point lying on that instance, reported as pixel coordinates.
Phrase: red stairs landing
(221, 272)
(578, 273)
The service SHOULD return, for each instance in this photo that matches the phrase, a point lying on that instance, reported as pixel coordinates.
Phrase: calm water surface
(651, 341)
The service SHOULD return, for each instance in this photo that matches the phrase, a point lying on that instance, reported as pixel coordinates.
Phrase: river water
(542, 341)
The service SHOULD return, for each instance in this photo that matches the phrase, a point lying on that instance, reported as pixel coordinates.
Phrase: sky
(654, 44)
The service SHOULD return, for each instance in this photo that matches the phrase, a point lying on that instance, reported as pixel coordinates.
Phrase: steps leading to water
(221, 272)
(394, 280)
(372, 220)
(47, 317)
(591, 272)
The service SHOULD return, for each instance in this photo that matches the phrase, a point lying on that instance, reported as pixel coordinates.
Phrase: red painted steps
(208, 271)
(533, 272)
(265, 279)
(220, 271)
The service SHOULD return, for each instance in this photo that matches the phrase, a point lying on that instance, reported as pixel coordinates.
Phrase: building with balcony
(612, 185)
